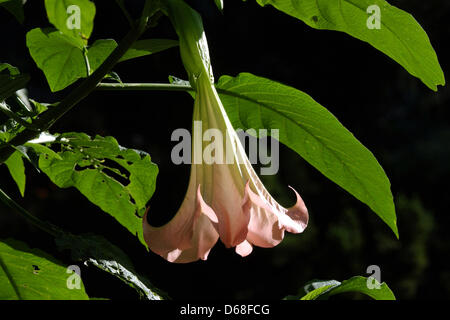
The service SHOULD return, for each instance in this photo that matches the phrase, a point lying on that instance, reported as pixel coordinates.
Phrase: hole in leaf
(35, 269)
(81, 168)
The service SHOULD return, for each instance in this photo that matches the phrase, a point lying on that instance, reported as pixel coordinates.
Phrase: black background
(393, 114)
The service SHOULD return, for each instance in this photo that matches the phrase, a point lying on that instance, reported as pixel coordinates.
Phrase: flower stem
(144, 86)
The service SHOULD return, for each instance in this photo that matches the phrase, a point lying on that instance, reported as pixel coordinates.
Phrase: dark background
(393, 114)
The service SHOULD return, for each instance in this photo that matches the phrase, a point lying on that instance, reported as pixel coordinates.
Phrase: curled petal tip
(269, 220)
(299, 214)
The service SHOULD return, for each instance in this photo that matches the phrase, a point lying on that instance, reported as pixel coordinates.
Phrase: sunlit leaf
(120, 181)
(17, 170)
(65, 15)
(102, 48)
(322, 290)
(31, 274)
(60, 57)
(314, 133)
(400, 36)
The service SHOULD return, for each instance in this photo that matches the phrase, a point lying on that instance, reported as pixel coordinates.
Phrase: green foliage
(11, 80)
(314, 133)
(120, 181)
(400, 36)
(31, 274)
(17, 170)
(58, 15)
(59, 56)
(100, 50)
(323, 290)
(97, 251)
(62, 58)
(219, 4)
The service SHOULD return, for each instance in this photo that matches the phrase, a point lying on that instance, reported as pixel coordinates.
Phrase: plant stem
(144, 86)
(45, 226)
(85, 88)
(86, 62)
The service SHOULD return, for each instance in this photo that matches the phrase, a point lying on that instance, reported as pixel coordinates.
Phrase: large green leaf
(59, 56)
(17, 170)
(314, 133)
(400, 36)
(321, 290)
(58, 15)
(31, 274)
(120, 181)
(102, 48)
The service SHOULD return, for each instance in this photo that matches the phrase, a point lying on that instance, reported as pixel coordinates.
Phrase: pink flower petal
(244, 248)
(269, 220)
(298, 214)
(227, 204)
(189, 236)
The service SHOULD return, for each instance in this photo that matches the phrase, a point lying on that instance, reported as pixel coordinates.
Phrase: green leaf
(400, 36)
(15, 7)
(97, 251)
(315, 289)
(9, 129)
(322, 290)
(65, 14)
(41, 149)
(39, 107)
(17, 170)
(11, 80)
(146, 47)
(120, 181)
(17, 116)
(32, 150)
(31, 274)
(60, 57)
(219, 4)
(114, 76)
(314, 133)
(101, 49)
(11, 70)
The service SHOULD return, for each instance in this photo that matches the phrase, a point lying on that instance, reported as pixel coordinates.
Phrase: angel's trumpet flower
(225, 198)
